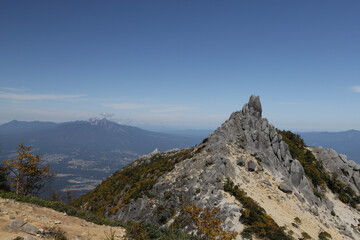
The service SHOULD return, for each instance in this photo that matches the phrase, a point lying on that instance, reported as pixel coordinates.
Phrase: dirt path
(41, 217)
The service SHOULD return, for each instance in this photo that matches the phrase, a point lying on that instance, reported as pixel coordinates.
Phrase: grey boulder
(19, 225)
(251, 166)
(285, 188)
(241, 161)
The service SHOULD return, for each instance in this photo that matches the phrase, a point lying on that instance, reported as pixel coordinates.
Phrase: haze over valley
(83, 153)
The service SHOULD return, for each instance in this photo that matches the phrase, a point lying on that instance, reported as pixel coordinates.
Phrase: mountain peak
(98, 121)
(255, 104)
(253, 107)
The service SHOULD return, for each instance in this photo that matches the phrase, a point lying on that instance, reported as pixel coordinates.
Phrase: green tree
(69, 196)
(27, 176)
(4, 172)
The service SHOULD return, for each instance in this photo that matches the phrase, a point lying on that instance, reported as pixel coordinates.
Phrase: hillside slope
(245, 170)
(42, 218)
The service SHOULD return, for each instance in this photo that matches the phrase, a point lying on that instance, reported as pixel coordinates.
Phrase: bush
(208, 164)
(297, 220)
(110, 235)
(55, 233)
(207, 224)
(247, 233)
(324, 236)
(305, 236)
(144, 231)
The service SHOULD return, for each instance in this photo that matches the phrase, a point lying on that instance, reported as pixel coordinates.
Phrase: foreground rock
(19, 225)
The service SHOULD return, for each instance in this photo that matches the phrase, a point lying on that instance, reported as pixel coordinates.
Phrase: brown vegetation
(26, 175)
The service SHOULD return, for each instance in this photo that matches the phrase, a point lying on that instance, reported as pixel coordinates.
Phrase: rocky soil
(32, 220)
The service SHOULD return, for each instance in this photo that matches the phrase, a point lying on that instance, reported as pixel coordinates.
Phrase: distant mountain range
(83, 153)
(346, 142)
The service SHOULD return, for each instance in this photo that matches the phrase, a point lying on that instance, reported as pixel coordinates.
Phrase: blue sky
(181, 64)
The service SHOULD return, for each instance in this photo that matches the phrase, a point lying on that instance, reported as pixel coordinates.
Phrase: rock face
(248, 130)
(347, 170)
(249, 151)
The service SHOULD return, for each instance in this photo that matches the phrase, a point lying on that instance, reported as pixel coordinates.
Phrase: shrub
(305, 236)
(247, 233)
(144, 231)
(324, 236)
(208, 164)
(207, 224)
(55, 233)
(297, 220)
(109, 235)
(167, 195)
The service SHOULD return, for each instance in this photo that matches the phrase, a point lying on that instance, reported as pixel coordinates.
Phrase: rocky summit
(262, 182)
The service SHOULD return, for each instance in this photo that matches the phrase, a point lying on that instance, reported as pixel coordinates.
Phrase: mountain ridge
(346, 142)
(246, 151)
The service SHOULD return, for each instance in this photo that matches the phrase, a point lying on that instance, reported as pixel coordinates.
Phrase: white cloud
(13, 89)
(356, 89)
(172, 109)
(160, 108)
(107, 115)
(30, 97)
(127, 106)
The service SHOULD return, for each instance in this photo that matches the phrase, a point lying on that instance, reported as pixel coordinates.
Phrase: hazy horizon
(181, 130)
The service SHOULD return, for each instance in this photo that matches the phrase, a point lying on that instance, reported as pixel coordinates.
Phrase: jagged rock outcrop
(248, 150)
(347, 170)
(248, 130)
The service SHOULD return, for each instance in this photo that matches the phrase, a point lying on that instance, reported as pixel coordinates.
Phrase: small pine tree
(26, 175)
(55, 196)
(4, 172)
(69, 196)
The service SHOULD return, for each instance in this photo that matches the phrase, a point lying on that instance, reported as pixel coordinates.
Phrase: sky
(181, 64)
